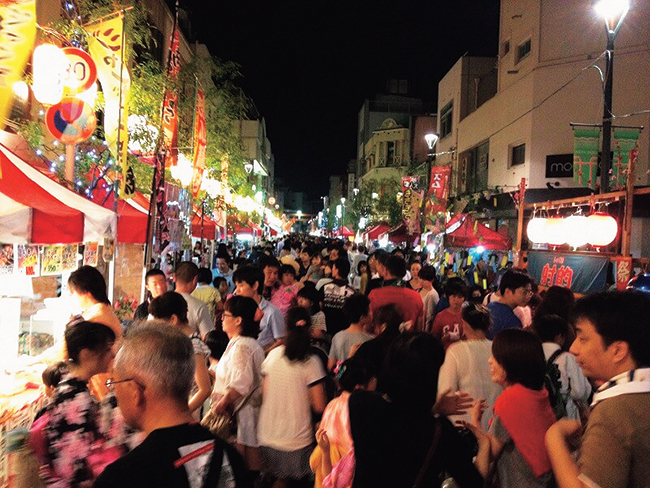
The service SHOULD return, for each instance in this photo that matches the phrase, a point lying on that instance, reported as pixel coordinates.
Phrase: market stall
(463, 231)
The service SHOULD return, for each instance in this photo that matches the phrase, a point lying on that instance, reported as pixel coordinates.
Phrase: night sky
(309, 64)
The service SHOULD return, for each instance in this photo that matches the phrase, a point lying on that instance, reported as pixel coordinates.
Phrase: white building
(544, 82)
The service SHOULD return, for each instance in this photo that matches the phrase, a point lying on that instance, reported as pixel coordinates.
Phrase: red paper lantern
(601, 229)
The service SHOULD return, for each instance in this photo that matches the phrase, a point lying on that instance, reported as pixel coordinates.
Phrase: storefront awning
(464, 231)
(36, 209)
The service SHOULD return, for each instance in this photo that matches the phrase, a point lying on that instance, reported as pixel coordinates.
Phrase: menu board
(51, 262)
(6, 259)
(29, 260)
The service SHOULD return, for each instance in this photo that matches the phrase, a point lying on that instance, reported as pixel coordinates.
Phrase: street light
(248, 166)
(431, 139)
(613, 12)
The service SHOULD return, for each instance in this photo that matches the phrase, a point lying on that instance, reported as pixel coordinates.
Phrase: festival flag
(199, 143)
(106, 44)
(161, 226)
(411, 201)
(170, 102)
(585, 156)
(17, 35)
(626, 148)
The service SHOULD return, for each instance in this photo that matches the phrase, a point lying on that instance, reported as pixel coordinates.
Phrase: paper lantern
(555, 231)
(575, 228)
(601, 229)
(50, 70)
(535, 230)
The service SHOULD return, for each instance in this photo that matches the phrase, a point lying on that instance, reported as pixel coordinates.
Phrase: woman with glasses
(73, 432)
(239, 375)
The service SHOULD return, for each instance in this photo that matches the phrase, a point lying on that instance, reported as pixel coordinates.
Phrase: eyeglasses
(110, 383)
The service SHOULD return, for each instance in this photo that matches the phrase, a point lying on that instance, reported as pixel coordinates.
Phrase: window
(506, 47)
(518, 155)
(446, 115)
(523, 50)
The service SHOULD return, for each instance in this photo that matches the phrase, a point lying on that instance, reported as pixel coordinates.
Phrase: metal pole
(606, 152)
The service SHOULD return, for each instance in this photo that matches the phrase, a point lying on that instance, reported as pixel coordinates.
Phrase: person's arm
(231, 397)
(204, 320)
(564, 466)
(324, 444)
(273, 345)
(317, 398)
(202, 379)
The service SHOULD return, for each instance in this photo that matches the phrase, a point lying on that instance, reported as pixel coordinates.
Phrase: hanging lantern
(601, 229)
(575, 227)
(555, 231)
(535, 230)
(50, 70)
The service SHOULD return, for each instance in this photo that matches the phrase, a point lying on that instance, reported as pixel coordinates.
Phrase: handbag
(224, 425)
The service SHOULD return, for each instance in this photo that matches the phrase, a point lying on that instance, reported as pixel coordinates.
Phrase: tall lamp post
(613, 12)
(431, 139)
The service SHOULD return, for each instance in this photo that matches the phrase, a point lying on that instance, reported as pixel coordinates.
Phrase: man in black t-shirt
(333, 295)
(153, 373)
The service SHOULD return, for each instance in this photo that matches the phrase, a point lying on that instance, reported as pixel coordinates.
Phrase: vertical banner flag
(626, 147)
(199, 143)
(585, 156)
(436, 201)
(411, 200)
(170, 102)
(17, 35)
(106, 46)
(162, 229)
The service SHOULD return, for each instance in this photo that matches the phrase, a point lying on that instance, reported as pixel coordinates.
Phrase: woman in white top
(239, 374)
(466, 366)
(293, 388)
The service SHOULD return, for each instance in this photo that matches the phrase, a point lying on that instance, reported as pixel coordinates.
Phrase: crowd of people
(314, 363)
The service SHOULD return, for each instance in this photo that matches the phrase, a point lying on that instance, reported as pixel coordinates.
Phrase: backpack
(553, 385)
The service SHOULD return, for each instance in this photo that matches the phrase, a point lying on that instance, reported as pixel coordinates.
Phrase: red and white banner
(170, 103)
(438, 190)
(200, 143)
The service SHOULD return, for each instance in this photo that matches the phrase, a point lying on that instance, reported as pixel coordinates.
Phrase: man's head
(516, 289)
(223, 264)
(249, 280)
(356, 309)
(305, 256)
(155, 282)
(171, 307)
(270, 267)
(340, 269)
(395, 267)
(153, 372)
(334, 252)
(613, 333)
(186, 277)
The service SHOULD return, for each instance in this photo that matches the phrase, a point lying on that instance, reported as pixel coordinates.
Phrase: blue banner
(582, 274)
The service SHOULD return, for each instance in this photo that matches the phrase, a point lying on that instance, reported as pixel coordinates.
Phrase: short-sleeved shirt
(272, 325)
(198, 314)
(285, 417)
(209, 295)
(502, 318)
(408, 301)
(176, 456)
(343, 342)
(448, 327)
(332, 296)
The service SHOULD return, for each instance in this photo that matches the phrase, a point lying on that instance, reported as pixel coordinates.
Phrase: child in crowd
(448, 324)
(430, 297)
(356, 309)
(221, 284)
(284, 296)
(333, 459)
(360, 281)
(307, 297)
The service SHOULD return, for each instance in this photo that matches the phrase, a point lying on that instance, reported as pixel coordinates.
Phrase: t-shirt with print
(332, 296)
(178, 457)
(272, 324)
(448, 327)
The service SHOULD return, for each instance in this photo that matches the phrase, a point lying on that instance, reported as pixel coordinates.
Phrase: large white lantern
(554, 231)
(50, 70)
(535, 230)
(575, 228)
(601, 229)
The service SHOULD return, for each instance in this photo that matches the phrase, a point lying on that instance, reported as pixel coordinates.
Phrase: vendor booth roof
(398, 234)
(35, 209)
(209, 226)
(464, 231)
(374, 233)
(345, 232)
(131, 217)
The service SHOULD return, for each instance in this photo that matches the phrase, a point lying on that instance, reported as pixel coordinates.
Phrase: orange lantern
(601, 229)
(535, 230)
(555, 231)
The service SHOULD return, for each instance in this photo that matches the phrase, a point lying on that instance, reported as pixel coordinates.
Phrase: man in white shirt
(186, 277)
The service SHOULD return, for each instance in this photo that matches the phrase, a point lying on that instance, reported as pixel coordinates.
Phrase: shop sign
(623, 271)
(582, 274)
(559, 166)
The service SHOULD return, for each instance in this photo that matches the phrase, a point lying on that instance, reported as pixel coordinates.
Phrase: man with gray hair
(152, 377)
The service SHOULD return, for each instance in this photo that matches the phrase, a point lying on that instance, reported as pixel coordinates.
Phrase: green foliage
(384, 207)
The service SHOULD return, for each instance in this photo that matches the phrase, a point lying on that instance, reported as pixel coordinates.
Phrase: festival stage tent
(464, 231)
(35, 209)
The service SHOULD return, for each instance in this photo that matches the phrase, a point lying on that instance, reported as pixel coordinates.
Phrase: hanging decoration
(106, 44)
(626, 148)
(170, 102)
(17, 35)
(199, 143)
(585, 156)
(535, 230)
